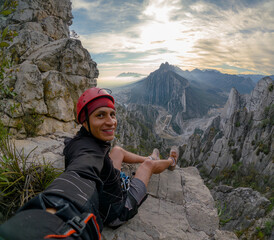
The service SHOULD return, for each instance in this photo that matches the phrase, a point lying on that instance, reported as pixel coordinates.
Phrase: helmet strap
(87, 119)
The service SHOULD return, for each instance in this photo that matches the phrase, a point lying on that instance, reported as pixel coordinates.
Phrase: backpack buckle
(77, 224)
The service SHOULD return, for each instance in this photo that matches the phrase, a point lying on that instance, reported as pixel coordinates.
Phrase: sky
(232, 36)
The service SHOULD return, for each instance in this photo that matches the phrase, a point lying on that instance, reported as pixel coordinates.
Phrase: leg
(116, 154)
(120, 155)
(149, 167)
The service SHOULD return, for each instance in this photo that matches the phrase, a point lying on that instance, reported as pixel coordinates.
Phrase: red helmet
(89, 95)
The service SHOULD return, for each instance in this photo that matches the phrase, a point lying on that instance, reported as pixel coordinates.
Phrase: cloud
(108, 15)
(82, 4)
(189, 33)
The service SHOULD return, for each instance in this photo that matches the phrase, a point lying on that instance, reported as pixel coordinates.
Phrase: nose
(110, 120)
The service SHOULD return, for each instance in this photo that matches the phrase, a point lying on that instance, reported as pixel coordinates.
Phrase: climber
(88, 194)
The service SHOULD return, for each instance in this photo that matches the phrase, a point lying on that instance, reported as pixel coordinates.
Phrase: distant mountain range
(166, 88)
(183, 94)
(254, 77)
(216, 80)
(130, 74)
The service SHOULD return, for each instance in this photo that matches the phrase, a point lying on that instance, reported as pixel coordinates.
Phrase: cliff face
(163, 88)
(135, 130)
(51, 69)
(242, 134)
(180, 98)
(238, 150)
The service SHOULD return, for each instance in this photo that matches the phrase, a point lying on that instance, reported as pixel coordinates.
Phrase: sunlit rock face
(51, 69)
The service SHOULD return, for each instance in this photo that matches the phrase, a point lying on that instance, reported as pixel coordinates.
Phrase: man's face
(103, 123)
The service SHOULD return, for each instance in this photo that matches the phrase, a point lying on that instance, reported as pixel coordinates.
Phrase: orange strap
(72, 231)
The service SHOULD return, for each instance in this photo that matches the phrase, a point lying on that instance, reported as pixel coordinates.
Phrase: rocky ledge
(179, 206)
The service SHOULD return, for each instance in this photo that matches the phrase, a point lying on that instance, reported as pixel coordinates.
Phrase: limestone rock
(239, 208)
(52, 69)
(260, 97)
(57, 96)
(243, 133)
(53, 16)
(29, 88)
(179, 206)
(239, 145)
(42, 148)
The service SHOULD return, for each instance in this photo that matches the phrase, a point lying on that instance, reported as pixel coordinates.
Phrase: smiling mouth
(109, 131)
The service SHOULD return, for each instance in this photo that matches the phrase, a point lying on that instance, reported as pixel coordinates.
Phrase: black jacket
(89, 185)
(89, 158)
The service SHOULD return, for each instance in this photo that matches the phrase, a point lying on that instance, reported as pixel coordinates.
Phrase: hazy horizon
(117, 81)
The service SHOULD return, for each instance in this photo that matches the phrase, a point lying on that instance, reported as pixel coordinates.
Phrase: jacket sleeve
(84, 156)
(80, 183)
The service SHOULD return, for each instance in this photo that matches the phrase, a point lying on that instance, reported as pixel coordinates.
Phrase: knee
(148, 164)
(117, 149)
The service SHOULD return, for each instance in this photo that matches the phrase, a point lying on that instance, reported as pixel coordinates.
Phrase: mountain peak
(165, 66)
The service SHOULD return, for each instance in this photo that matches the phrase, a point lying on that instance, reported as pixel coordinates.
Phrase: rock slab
(179, 206)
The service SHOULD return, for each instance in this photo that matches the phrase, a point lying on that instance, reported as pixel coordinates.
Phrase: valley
(165, 131)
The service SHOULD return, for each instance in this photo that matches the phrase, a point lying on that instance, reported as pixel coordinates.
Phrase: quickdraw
(125, 181)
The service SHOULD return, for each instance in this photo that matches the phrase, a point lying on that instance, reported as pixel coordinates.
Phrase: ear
(85, 124)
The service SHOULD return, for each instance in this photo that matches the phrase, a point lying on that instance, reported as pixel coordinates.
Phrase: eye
(100, 115)
(113, 114)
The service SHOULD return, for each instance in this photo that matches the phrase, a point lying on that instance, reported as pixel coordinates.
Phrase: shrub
(223, 214)
(265, 148)
(6, 36)
(20, 178)
(231, 143)
(198, 131)
(266, 230)
(237, 124)
(31, 122)
(239, 175)
(270, 87)
(268, 226)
